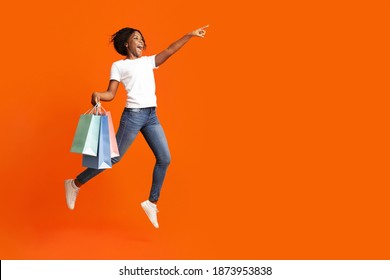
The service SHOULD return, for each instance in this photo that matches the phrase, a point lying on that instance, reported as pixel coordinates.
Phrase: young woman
(135, 72)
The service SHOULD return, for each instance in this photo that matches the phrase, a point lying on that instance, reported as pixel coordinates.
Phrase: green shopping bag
(86, 138)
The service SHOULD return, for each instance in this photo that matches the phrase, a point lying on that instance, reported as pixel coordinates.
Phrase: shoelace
(153, 207)
(76, 190)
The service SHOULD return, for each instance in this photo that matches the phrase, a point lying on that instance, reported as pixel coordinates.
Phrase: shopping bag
(86, 138)
(113, 144)
(103, 158)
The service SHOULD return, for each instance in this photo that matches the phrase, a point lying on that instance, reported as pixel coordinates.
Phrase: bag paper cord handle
(94, 110)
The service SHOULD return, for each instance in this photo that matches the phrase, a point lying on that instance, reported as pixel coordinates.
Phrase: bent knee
(166, 160)
(116, 159)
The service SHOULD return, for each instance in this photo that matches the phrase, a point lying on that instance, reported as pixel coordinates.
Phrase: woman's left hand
(200, 32)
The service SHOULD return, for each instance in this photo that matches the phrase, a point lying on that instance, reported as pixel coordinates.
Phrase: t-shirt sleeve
(115, 74)
(152, 61)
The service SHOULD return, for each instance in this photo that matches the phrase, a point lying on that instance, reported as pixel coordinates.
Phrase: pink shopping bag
(113, 144)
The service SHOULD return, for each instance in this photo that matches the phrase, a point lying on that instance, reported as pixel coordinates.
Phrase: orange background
(277, 123)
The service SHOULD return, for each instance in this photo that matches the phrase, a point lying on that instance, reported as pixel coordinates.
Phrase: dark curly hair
(120, 38)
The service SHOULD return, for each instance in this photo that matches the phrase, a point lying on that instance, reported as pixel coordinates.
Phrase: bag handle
(96, 110)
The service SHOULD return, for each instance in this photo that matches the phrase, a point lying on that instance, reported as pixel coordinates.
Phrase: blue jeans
(146, 121)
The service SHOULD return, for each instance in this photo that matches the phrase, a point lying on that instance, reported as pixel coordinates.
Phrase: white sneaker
(71, 191)
(150, 210)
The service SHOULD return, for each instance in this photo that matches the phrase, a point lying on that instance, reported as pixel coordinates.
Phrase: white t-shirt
(138, 79)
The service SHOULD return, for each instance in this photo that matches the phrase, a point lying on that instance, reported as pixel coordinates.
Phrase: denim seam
(124, 129)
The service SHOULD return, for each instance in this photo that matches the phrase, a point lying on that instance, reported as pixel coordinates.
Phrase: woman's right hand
(95, 98)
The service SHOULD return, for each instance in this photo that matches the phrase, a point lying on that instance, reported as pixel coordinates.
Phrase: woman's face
(135, 45)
